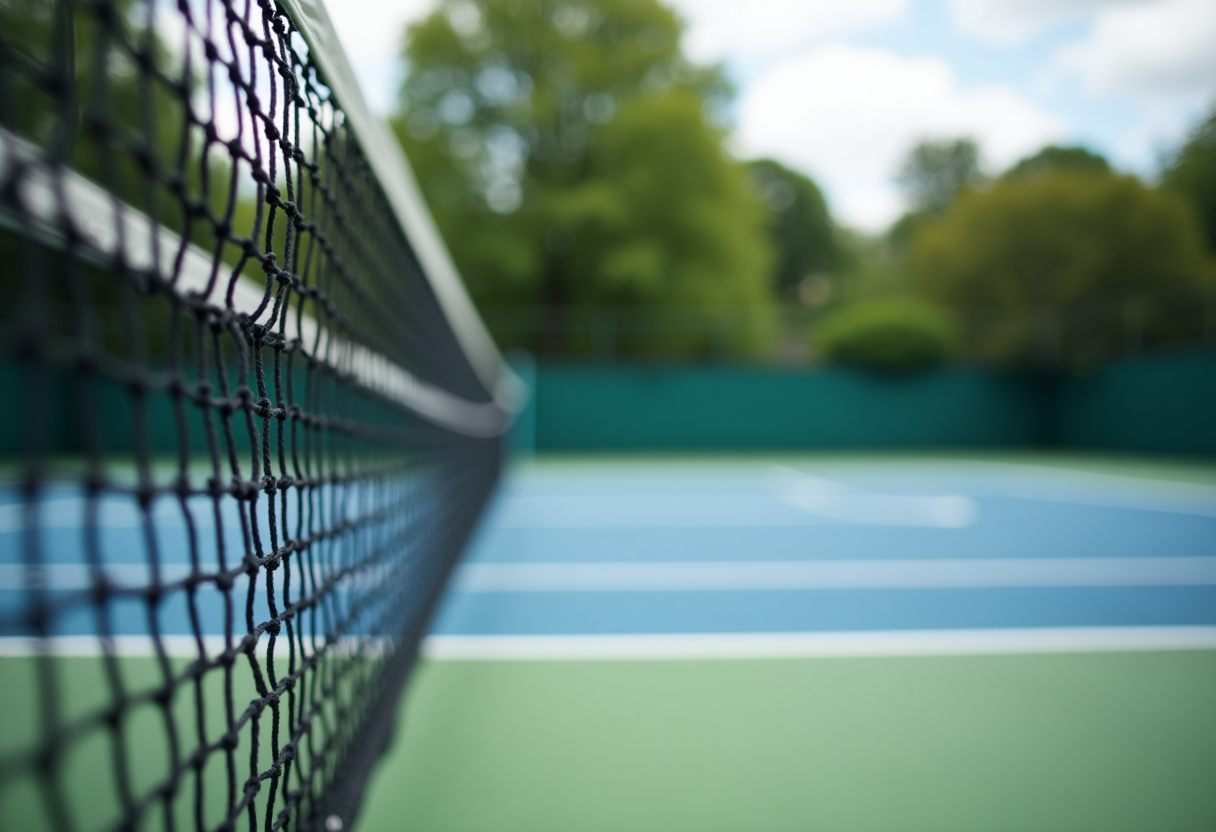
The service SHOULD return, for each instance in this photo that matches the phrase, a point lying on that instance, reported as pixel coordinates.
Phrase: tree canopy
(1054, 158)
(1031, 254)
(570, 155)
(801, 228)
(935, 172)
(1192, 171)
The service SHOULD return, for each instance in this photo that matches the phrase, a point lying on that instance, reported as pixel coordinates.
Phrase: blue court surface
(737, 546)
(834, 545)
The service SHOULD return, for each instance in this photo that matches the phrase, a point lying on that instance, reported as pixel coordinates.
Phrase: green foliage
(935, 172)
(1036, 259)
(1192, 171)
(894, 334)
(801, 229)
(1056, 159)
(567, 153)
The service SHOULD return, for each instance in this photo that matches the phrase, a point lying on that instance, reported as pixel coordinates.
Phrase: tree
(567, 151)
(1065, 264)
(935, 172)
(801, 228)
(1192, 171)
(891, 334)
(1054, 158)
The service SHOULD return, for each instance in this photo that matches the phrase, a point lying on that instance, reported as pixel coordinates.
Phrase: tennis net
(250, 418)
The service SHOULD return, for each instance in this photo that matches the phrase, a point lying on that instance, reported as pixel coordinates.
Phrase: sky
(841, 89)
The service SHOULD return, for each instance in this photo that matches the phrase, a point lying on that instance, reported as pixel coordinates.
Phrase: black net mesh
(240, 447)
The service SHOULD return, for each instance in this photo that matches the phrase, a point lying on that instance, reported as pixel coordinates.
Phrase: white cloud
(1015, 21)
(371, 32)
(1167, 47)
(732, 29)
(847, 116)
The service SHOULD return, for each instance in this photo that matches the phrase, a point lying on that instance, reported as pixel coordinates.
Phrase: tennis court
(801, 642)
(254, 420)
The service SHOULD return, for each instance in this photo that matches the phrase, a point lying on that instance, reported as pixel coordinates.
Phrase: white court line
(79, 577)
(178, 647)
(687, 645)
(719, 576)
(1030, 482)
(791, 507)
(834, 574)
(817, 645)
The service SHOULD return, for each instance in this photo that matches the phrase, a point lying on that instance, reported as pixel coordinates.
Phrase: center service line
(834, 574)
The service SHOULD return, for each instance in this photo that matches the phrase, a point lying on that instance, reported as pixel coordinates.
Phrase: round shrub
(888, 334)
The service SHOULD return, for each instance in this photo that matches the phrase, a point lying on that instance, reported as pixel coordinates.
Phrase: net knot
(85, 360)
(271, 131)
(244, 489)
(138, 385)
(144, 495)
(145, 159)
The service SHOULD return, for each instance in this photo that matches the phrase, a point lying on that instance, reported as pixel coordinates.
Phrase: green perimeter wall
(1164, 403)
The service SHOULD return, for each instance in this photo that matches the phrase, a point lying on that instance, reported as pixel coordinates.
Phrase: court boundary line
(863, 574)
(879, 643)
(175, 646)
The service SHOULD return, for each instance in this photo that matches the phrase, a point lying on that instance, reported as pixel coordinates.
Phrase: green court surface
(1101, 742)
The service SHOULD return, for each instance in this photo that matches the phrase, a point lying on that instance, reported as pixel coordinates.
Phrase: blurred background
(929, 199)
(888, 185)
